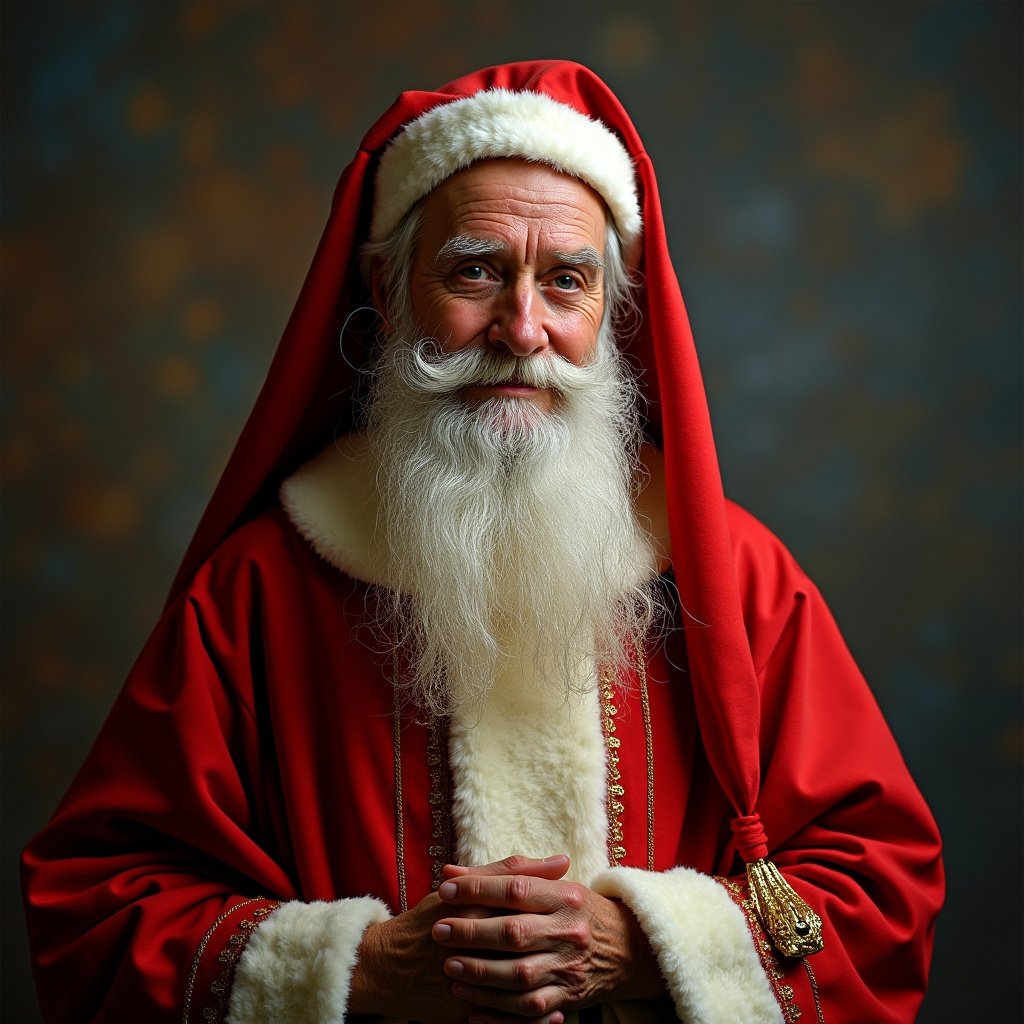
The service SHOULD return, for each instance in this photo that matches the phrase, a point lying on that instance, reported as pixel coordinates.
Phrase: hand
(560, 945)
(399, 972)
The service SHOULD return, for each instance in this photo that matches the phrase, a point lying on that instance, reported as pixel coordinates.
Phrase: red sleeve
(141, 891)
(848, 826)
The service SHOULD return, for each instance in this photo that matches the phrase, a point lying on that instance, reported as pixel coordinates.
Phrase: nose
(518, 323)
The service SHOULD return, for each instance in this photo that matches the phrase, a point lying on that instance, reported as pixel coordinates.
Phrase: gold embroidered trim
(614, 789)
(783, 992)
(396, 744)
(229, 956)
(814, 991)
(641, 664)
(440, 796)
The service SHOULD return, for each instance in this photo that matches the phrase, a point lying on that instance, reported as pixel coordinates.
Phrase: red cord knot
(751, 842)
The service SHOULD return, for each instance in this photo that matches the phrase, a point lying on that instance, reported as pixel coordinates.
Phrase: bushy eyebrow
(461, 246)
(588, 256)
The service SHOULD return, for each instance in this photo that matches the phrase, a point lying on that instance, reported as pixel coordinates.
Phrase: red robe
(250, 760)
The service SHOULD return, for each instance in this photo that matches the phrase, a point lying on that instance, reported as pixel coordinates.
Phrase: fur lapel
(528, 770)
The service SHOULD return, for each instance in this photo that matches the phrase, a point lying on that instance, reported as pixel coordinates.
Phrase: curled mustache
(425, 369)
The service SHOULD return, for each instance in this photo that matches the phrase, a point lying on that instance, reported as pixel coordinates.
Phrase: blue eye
(565, 282)
(474, 272)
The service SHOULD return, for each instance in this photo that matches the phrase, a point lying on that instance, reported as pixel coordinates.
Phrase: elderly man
(500, 712)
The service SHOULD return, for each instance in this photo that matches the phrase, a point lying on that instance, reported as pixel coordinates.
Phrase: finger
(517, 974)
(513, 892)
(493, 1017)
(553, 867)
(509, 933)
(537, 1003)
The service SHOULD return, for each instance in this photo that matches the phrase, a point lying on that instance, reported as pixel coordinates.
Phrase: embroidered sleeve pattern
(773, 968)
(213, 968)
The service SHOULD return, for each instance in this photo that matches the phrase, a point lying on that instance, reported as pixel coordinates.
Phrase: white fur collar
(528, 769)
(332, 501)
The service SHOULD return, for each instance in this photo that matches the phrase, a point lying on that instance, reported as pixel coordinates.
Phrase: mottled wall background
(842, 182)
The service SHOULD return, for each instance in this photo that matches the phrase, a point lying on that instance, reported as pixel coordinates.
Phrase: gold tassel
(794, 928)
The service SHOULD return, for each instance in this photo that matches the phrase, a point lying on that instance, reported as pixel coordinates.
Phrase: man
(502, 712)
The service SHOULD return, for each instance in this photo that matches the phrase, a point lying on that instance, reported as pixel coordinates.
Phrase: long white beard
(510, 531)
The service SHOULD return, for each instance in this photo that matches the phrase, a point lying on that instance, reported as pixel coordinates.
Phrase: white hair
(510, 532)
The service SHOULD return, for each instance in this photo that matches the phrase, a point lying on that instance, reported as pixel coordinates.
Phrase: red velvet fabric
(250, 754)
(250, 757)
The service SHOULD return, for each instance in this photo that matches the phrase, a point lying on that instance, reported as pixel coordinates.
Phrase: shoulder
(771, 584)
(264, 561)
(757, 552)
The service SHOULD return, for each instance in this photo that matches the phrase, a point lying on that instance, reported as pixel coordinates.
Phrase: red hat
(308, 394)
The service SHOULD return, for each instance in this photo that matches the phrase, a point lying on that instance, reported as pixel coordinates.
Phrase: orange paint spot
(148, 111)
(201, 319)
(628, 42)
(909, 157)
(107, 513)
(177, 376)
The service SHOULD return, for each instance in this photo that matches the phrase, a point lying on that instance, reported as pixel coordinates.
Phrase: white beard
(510, 531)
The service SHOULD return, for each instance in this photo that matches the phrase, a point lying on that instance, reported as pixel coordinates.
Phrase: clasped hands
(506, 942)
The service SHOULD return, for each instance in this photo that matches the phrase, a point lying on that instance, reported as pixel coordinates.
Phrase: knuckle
(515, 864)
(524, 975)
(575, 895)
(518, 888)
(578, 934)
(536, 1004)
(514, 933)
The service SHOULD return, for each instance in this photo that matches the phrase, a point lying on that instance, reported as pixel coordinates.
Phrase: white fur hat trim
(500, 123)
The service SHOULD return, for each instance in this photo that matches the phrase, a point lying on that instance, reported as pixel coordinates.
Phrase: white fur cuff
(297, 965)
(700, 937)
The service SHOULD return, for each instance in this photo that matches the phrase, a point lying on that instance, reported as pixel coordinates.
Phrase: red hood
(308, 398)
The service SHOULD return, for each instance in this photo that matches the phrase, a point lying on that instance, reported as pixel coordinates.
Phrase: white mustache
(424, 368)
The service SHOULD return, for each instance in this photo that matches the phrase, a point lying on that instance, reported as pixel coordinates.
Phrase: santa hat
(500, 123)
(520, 110)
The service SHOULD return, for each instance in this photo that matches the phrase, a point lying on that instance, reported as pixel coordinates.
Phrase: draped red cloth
(218, 777)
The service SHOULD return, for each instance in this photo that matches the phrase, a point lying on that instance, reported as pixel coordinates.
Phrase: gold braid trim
(645, 702)
(396, 743)
(440, 796)
(814, 991)
(229, 956)
(614, 790)
(783, 992)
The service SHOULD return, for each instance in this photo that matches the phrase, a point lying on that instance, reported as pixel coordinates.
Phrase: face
(511, 258)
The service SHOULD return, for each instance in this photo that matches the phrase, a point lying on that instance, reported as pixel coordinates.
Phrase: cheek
(454, 324)
(578, 343)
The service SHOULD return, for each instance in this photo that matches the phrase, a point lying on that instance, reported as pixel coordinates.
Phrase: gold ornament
(795, 929)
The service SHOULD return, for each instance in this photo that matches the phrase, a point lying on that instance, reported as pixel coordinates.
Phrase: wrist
(367, 994)
(641, 976)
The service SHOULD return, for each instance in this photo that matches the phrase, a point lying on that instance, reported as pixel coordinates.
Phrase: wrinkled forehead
(501, 205)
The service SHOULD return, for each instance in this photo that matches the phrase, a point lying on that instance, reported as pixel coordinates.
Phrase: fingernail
(448, 890)
(455, 968)
(442, 932)
(557, 856)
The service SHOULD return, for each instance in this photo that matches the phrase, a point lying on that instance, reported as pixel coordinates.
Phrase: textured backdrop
(842, 186)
